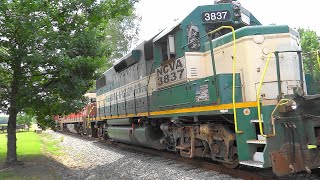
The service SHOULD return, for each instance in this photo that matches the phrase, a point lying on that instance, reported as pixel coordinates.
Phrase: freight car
(216, 84)
(78, 122)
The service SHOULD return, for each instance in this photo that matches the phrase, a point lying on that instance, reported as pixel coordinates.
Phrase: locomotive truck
(217, 84)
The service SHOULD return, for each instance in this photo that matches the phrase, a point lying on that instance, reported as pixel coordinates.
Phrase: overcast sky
(156, 14)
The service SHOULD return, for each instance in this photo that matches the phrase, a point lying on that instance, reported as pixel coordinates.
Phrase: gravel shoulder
(83, 159)
(70, 157)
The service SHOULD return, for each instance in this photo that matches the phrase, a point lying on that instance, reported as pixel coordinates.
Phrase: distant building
(3, 119)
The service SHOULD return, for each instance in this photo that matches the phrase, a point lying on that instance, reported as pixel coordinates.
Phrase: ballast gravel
(84, 159)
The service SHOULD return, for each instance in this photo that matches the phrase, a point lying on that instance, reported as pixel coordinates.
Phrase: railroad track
(242, 172)
(198, 163)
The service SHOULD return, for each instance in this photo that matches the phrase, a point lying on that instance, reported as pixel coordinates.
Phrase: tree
(310, 45)
(122, 36)
(25, 119)
(50, 53)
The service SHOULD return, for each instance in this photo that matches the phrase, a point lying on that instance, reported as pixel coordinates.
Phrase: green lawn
(32, 149)
(28, 145)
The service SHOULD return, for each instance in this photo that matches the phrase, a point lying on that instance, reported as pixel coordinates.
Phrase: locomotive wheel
(234, 163)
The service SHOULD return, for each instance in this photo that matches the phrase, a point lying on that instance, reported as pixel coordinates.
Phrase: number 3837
(215, 16)
(170, 77)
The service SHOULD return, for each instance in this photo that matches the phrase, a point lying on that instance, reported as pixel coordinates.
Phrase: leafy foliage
(121, 35)
(25, 119)
(310, 45)
(53, 48)
(50, 51)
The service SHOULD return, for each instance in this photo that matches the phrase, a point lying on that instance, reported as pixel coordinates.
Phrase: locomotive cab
(178, 48)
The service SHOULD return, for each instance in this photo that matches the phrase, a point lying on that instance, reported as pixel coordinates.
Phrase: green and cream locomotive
(216, 84)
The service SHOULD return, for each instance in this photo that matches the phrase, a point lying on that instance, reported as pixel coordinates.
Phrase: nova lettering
(165, 70)
(179, 64)
(170, 72)
(172, 66)
(159, 72)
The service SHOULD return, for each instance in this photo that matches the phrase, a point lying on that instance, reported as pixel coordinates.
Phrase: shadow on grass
(33, 167)
(36, 165)
(2, 157)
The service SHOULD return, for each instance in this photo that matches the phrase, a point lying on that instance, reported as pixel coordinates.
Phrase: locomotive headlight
(293, 105)
(286, 105)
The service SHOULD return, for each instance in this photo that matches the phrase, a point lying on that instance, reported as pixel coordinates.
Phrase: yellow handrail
(233, 74)
(280, 103)
(258, 97)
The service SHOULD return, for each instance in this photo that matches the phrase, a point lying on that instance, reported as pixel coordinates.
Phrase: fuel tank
(119, 122)
(143, 136)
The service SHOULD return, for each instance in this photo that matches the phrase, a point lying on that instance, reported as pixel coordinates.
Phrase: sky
(157, 14)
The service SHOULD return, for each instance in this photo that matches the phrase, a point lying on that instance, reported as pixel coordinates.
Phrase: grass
(8, 175)
(31, 147)
(28, 145)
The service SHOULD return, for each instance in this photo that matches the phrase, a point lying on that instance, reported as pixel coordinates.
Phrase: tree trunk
(13, 111)
(12, 140)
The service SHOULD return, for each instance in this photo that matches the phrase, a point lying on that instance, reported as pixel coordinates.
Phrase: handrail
(233, 70)
(233, 74)
(276, 53)
(280, 103)
(148, 98)
(258, 97)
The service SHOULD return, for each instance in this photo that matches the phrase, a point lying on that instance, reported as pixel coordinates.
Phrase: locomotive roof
(177, 22)
(167, 30)
(193, 15)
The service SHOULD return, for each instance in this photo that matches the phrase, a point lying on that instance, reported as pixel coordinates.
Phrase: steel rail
(200, 163)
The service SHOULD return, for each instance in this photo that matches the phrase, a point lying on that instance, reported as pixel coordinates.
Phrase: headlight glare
(294, 105)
